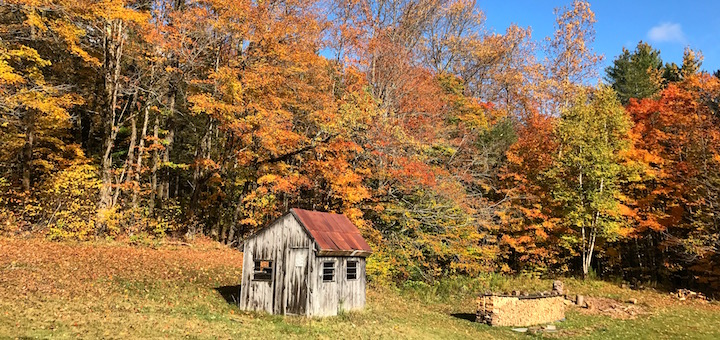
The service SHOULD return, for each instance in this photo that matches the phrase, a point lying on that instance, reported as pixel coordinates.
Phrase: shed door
(296, 277)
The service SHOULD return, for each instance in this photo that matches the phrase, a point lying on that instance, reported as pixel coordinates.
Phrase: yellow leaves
(69, 195)
(29, 54)
(71, 34)
(117, 10)
(8, 76)
(35, 21)
(249, 221)
(279, 184)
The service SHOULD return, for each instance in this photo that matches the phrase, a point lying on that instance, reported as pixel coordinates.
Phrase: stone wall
(505, 310)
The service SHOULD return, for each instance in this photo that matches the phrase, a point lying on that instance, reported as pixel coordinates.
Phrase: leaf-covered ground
(65, 290)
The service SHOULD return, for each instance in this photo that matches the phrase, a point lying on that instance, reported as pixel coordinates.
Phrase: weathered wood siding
(327, 298)
(352, 292)
(275, 244)
(323, 295)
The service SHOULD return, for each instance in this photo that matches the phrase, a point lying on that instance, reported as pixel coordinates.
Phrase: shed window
(351, 270)
(328, 273)
(262, 270)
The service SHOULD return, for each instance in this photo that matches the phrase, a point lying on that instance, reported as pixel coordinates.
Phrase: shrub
(69, 202)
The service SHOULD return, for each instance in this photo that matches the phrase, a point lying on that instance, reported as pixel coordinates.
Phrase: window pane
(351, 270)
(328, 273)
(263, 270)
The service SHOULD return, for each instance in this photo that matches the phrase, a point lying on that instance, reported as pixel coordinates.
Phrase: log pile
(520, 308)
(686, 294)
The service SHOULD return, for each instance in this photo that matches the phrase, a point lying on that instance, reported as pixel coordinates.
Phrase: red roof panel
(334, 233)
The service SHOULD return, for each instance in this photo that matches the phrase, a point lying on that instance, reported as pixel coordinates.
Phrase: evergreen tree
(671, 73)
(635, 74)
(691, 63)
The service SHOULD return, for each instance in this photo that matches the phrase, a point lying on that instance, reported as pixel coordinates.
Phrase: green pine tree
(636, 74)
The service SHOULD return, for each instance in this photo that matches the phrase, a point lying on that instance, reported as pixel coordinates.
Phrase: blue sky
(668, 26)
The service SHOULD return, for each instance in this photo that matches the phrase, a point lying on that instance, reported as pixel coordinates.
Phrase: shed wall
(273, 244)
(327, 298)
(352, 292)
(323, 295)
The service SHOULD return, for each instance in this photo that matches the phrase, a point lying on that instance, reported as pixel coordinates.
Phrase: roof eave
(349, 253)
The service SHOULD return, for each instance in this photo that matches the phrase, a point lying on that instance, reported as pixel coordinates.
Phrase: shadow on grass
(464, 316)
(231, 294)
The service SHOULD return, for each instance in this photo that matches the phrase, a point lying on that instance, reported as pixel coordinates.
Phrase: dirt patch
(612, 308)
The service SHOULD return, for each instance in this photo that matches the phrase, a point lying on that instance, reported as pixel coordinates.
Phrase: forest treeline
(455, 149)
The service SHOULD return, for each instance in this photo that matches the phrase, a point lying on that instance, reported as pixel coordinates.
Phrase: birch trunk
(138, 164)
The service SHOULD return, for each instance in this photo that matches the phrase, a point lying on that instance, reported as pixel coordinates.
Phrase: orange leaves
(676, 138)
(288, 184)
(665, 132)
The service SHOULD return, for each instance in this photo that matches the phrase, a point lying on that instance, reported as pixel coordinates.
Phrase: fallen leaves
(39, 266)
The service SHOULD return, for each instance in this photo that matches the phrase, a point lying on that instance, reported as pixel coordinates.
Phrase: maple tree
(677, 140)
(530, 231)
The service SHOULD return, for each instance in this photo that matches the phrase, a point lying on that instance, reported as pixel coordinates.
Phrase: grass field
(64, 290)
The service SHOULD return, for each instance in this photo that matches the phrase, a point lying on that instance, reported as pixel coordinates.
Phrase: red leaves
(667, 131)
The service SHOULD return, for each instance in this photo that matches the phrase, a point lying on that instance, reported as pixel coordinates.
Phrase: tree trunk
(588, 253)
(156, 159)
(138, 164)
(231, 235)
(126, 175)
(589, 246)
(223, 233)
(165, 185)
(27, 150)
(113, 44)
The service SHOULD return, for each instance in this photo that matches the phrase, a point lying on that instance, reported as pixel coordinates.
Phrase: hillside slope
(66, 290)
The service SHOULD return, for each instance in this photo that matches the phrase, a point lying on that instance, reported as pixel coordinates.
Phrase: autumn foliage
(453, 148)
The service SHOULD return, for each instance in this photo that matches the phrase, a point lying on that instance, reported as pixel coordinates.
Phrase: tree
(591, 134)
(570, 59)
(636, 74)
(691, 63)
(33, 105)
(678, 140)
(671, 73)
(530, 231)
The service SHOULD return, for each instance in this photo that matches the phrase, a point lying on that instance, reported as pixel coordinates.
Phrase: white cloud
(667, 32)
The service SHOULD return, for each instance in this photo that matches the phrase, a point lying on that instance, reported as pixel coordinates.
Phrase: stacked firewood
(687, 294)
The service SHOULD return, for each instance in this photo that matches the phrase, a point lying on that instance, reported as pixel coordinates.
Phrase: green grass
(49, 291)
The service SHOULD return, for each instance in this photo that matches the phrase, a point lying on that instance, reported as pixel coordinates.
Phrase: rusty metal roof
(333, 233)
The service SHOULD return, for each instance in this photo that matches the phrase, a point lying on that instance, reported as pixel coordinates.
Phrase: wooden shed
(305, 263)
